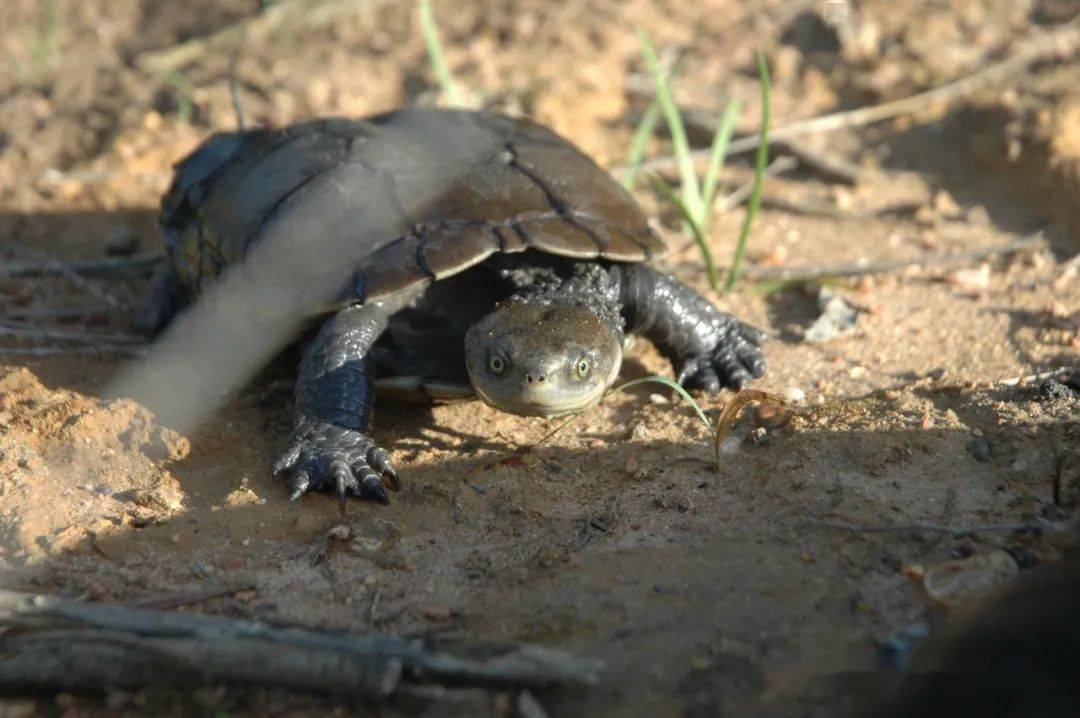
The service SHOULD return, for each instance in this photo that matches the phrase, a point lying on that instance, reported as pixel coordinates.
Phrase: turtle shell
(452, 188)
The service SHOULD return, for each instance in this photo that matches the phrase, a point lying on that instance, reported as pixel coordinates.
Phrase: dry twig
(133, 266)
(307, 12)
(72, 351)
(24, 331)
(855, 269)
(53, 644)
(1063, 42)
(955, 531)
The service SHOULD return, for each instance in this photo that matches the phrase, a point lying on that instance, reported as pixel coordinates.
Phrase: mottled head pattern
(543, 357)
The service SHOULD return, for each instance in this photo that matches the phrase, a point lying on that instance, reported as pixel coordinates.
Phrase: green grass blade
(671, 384)
(717, 155)
(642, 134)
(691, 190)
(430, 31)
(759, 174)
(695, 229)
(655, 379)
(182, 87)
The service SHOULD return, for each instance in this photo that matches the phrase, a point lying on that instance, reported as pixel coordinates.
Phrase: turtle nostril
(539, 377)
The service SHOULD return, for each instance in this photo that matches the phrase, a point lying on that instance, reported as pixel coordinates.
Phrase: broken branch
(855, 269)
(48, 643)
(135, 266)
(1062, 42)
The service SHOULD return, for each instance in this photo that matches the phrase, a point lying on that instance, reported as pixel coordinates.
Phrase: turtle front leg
(708, 348)
(329, 448)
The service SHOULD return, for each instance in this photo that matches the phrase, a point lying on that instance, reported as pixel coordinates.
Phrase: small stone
(969, 278)
(201, 569)
(794, 395)
(914, 571)
(658, 399)
(730, 445)
(980, 449)
(245, 542)
(954, 583)
(945, 204)
(121, 241)
(341, 532)
(438, 613)
(925, 216)
(857, 372)
(978, 215)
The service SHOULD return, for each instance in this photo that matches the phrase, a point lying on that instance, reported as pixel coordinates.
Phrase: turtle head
(542, 357)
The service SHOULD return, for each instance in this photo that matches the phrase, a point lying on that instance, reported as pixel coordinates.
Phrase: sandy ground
(706, 592)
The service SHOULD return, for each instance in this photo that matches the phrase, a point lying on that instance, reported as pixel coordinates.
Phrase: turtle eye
(583, 367)
(496, 364)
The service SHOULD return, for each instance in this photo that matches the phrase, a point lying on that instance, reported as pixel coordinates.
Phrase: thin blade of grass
(671, 384)
(691, 190)
(655, 379)
(759, 174)
(717, 155)
(435, 52)
(691, 222)
(642, 134)
(182, 88)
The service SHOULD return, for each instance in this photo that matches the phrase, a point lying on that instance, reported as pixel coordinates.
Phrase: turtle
(516, 278)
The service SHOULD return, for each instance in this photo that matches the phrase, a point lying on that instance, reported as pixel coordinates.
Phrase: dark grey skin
(510, 267)
(552, 346)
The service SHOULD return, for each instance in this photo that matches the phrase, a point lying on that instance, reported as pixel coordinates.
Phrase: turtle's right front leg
(329, 448)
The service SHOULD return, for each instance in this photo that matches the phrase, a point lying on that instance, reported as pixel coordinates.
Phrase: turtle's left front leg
(329, 448)
(708, 348)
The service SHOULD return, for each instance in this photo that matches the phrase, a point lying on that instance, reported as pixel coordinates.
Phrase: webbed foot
(733, 362)
(327, 457)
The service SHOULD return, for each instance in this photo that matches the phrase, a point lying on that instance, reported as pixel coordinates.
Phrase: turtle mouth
(546, 404)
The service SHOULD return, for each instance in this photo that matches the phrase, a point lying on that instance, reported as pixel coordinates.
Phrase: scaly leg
(328, 447)
(708, 348)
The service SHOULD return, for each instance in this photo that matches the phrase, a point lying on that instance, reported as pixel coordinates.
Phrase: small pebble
(341, 532)
(658, 399)
(980, 449)
(201, 569)
(795, 395)
(121, 241)
(438, 613)
(730, 445)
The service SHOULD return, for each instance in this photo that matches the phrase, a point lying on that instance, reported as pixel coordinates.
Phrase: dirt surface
(737, 591)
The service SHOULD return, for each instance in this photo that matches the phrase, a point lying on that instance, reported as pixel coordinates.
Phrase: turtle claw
(734, 362)
(299, 485)
(328, 457)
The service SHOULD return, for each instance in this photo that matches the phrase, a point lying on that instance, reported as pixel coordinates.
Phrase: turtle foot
(327, 457)
(734, 362)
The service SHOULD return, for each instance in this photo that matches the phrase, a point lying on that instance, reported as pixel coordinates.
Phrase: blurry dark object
(1017, 657)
